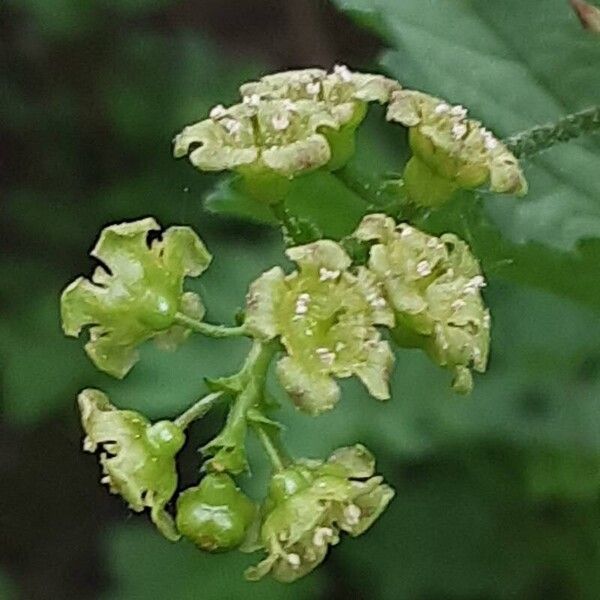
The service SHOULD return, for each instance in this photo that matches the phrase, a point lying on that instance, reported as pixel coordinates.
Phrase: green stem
(228, 448)
(296, 230)
(197, 410)
(255, 370)
(272, 448)
(215, 331)
(537, 139)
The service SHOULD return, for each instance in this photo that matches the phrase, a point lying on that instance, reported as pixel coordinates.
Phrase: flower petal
(312, 392)
(262, 300)
(375, 372)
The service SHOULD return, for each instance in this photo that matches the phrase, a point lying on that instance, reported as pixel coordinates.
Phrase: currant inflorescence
(328, 318)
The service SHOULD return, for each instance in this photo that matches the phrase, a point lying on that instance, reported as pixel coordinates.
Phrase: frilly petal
(261, 302)
(325, 254)
(310, 391)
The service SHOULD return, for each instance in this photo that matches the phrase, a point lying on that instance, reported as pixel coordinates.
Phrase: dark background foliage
(497, 493)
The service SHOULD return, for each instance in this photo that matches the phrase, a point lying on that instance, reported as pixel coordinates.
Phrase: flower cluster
(294, 122)
(434, 286)
(323, 321)
(287, 124)
(325, 316)
(136, 294)
(310, 503)
(450, 151)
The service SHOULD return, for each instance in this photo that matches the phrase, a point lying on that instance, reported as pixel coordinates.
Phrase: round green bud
(157, 309)
(214, 515)
(165, 437)
(288, 482)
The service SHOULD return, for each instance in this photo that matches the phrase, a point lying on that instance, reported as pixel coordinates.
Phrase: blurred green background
(498, 493)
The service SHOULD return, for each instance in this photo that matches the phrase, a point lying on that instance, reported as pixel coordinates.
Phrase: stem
(197, 410)
(296, 230)
(215, 331)
(255, 369)
(537, 139)
(271, 448)
(227, 448)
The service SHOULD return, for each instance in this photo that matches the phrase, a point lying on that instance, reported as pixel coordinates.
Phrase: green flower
(325, 317)
(313, 503)
(288, 123)
(138, 458)
(451, 152)
(136, 293)
(433, 285)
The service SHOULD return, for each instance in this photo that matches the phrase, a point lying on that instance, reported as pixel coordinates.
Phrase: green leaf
(227, 198)
(317, 204)
(324, 200)
(143, 565)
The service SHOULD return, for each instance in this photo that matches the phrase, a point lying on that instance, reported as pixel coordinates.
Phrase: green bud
(326, 318)
(288, 482)
(214, 515)
(449, 147)
(434, 286)
(340, 495)
(138, 459)
(135, 295)
(166, 438)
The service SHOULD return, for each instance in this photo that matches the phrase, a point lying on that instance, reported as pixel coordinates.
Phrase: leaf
(143, 565)
(317, 203)
(504, 70)
(226, 198)
(574, 274)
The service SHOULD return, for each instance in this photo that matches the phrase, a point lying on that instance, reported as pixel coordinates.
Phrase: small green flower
(215, 515)
(451, 152)
(138, 458)
(325, 317)
(136, 293)
(433, 285)
(288, 123)
(313, 502)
